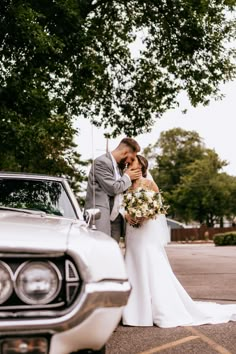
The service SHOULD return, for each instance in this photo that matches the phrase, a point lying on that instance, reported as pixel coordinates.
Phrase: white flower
(128, 196)
(143, 203)
(138, 195)
(132, 211)
(150, 194)
(155, 204)
(138, 214)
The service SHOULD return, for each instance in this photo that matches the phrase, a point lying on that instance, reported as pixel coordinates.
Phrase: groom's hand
(134, 173)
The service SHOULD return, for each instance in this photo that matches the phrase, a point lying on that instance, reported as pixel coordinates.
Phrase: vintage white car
(63, 285)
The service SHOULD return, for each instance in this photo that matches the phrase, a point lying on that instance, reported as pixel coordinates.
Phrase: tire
(90, 351)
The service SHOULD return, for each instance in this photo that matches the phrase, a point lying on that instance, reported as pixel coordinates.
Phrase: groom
(106, 183)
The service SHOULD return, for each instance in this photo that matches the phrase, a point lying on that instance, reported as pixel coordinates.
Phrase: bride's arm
(154, 187)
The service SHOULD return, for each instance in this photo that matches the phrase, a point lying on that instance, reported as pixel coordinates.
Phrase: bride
(157, 297)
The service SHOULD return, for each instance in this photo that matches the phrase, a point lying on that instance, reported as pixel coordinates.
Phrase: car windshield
(36, 195)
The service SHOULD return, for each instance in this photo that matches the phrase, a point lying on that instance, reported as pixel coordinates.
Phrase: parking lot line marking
(170, 345)
(209, 341)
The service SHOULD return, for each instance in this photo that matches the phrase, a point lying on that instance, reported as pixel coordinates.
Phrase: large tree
(74, 57)
(204, 194)
(190, 176)
(41, 145)
(171, 155)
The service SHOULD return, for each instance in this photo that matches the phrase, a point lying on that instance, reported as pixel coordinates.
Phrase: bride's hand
(140, 220)
(134, 221)
(130, 220)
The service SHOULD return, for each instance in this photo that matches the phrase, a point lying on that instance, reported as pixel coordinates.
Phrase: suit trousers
(117, 228)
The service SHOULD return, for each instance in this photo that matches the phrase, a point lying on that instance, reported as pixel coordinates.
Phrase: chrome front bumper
(94, 307)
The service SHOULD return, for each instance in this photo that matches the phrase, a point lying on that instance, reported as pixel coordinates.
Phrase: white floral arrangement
(143, 204)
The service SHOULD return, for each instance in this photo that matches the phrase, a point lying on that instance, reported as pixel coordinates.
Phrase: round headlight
(6, 285)
(37, 283)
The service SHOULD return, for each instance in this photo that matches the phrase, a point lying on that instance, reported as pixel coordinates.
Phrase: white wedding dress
(157, 297)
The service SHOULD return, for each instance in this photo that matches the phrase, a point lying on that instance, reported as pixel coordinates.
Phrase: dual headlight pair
(34, 282)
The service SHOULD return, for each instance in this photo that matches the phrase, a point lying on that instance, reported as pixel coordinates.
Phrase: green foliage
(36, 128)
(66, 58)
(203, 193)
(73, 58)
(172, 154)
(191, 179)
(41, 146)
(225, 239)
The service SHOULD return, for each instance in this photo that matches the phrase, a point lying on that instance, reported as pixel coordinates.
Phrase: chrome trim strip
(29, 307)
(93, 296)
(73, 200)
(34, 176)
(32, 255)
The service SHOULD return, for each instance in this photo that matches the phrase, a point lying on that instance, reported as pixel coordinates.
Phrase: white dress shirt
(117, 207)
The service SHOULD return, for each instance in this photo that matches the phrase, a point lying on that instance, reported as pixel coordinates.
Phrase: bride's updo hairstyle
(144, 164)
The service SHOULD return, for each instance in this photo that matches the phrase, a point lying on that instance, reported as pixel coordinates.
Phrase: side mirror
(90, 216)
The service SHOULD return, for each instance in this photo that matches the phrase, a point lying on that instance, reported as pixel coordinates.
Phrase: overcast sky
(214, 123)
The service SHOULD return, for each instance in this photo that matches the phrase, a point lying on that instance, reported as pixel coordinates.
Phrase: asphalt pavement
(208, 273)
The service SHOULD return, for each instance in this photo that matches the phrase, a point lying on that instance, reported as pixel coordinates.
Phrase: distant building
(173, 224)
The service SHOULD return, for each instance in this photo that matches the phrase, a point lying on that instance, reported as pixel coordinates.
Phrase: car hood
(96, 255)
(33, 232)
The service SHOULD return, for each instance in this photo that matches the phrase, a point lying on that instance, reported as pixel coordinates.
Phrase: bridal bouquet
(143, 204)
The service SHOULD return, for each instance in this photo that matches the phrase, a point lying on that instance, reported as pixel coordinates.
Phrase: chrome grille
(71, 272)
(72, 279)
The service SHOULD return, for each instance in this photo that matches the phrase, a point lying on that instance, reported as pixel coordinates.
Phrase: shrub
(224, 239)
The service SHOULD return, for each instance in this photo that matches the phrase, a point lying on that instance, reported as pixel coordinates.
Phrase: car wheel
(89, 351)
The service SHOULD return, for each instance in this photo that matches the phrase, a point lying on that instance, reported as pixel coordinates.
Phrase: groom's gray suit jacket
(103, 182)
